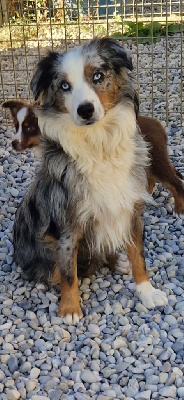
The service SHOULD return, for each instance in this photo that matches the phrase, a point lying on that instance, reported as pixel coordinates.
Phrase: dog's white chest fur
(105, 154)
(111, 207)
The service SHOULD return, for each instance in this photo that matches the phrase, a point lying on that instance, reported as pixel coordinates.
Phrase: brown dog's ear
(14, 106)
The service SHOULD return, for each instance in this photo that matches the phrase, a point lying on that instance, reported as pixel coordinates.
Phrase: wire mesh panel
(152, 31)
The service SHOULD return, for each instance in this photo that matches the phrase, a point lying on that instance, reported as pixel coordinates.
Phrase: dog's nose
(86, 110)
(18, 145)
(15, 144)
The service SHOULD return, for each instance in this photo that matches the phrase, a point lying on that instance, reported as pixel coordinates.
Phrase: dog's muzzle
(86, 111)
(16, 145)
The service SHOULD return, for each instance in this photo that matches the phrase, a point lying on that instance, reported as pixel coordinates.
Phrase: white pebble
(7, 325)
(34, 373)
(14, 192)
(13, 394)
(143, 395)
(89, 376)
(30, 385)
(178, 372)
(118, 343)
(168, 391)
(94, 329)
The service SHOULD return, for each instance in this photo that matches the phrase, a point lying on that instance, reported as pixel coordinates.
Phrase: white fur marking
(20, 118)
(150, 296)
(71, 319)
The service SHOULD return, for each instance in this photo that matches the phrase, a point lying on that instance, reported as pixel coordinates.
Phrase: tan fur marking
(151, 183)
(70, 301)
(50, 242)
(108, 95)
(60, 103)
(88, 71)
(109, 98)
(135, 250)
(56, 277)
(33, 141)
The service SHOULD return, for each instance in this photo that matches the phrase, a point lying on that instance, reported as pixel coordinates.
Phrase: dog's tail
(37, 262)
(35, 255)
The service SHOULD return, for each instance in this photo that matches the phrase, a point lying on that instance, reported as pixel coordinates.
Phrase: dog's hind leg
(151, 182)
(163, 171)
(176, 186)
(149, 296)
(67, 249)
(173, 183)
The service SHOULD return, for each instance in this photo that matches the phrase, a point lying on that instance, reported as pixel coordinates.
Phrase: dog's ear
(43, 76)
(14, 106)
(116, 53)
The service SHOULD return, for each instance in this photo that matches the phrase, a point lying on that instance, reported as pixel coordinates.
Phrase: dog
(86, 201)
(26, 124)
(160, 169)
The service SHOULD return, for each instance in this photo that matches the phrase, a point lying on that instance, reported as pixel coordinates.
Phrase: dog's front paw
(150, 296)
(71, 314)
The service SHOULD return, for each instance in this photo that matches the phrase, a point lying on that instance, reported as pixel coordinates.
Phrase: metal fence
(151, 30)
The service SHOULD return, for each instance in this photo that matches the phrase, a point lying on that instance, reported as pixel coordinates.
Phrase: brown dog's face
(26, 124)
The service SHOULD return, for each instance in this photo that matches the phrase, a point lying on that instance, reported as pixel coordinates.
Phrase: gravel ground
(119, 350)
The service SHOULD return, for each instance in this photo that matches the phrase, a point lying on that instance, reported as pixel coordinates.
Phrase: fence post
(3, 12)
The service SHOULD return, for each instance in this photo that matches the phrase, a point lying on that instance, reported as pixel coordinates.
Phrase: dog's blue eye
(98, 77)
(65, 86)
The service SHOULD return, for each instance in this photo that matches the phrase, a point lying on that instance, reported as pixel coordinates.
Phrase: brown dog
(161, 170)
(26, 124)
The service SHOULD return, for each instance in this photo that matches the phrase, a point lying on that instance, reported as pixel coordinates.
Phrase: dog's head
(85, 82)
(26, 124)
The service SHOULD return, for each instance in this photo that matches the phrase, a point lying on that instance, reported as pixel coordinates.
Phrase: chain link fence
(152, 31)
